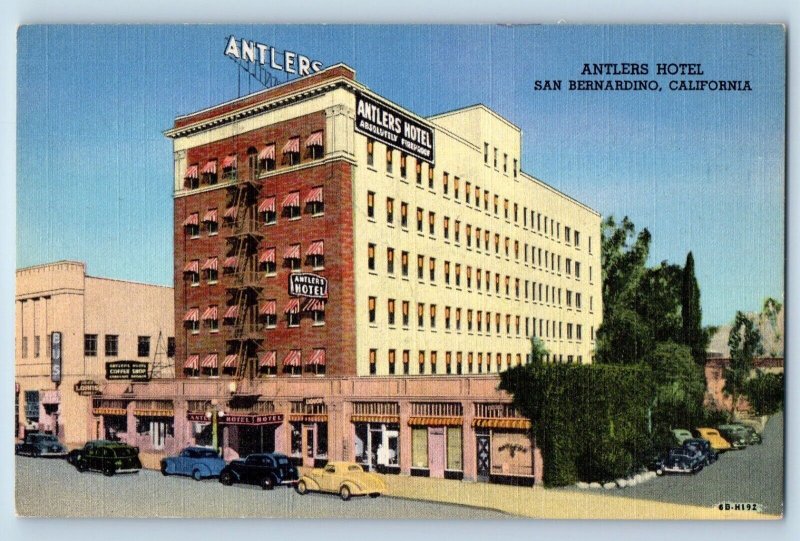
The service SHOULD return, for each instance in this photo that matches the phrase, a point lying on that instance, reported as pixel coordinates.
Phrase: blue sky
(703, 171)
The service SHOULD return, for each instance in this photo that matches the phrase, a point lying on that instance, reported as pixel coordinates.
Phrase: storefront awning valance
(192, 362)
(210, 264)
(192, 219)
(267, 205)
(314, 140)
(293, 358)
(153, 413)
(109, 411)
(209, 361)
(314, 196)
(231, 361)
(387, 419)
(232, 312)
(267, 256)
(308, 417)
(267, 153)
(292, 145)
(268, 360)
(317, 358)
(269, 308)
(191, 172)
(435, 421)
(210, 313)
(316, 248)
(193, 314)
(229, 162)
(502, 422)
(292, 200)
(210, 215)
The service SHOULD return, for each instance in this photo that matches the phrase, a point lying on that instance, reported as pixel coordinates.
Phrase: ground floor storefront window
(309, 443)
(115, 427)
(377, 446)
(154, 431)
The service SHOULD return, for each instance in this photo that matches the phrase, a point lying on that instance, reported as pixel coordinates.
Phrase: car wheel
(163, 468)
(268, 483)
(659, 471)
(81, 465)
(344, 493)
(197, 476)
(226, 478)
(108, 471)
(301, 488)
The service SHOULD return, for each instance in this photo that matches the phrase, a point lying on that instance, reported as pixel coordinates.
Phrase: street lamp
(214, 413)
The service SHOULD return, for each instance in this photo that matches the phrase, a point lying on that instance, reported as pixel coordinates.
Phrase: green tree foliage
(658, 301)
(744, 341)
(693, 334)
(765, 392)
(538, 350)
(623, 256)
(590, 421)
(769, 313)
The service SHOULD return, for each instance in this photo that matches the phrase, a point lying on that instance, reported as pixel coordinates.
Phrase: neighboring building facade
(100, 321)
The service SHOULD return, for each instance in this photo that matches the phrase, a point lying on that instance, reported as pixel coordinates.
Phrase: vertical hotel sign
(391, 127)
(55, 357)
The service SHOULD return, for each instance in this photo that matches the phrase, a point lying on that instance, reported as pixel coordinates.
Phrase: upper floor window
(404, 214)
(192, 225)
(316, 254)
(315, 146)
(371, 257)
(370, 152)
(403, 168)
(389, 210)
(291, 151)
(143, 346)
(266, 158)
(371, 204)
(390, 260)
(315, 201)
(112, 345)
(191, 179)
(291, 205)
(229, 167)
(389, 155)
(485, 152)
(90, 345)
(210, 221)
(267, 210)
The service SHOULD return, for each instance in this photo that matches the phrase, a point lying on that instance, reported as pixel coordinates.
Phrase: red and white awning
(267, 205)
(293, 358)
(292, 145)
(267, 153)
(210, 264)
(210, 313)
(292, 307)
(292, 200)
(192, 219)
(269, 308)
(314, 140)
(268, 359)
(229, 162)
(317, 358)
(210, 216)
(232, 312)
(191, 172)
(191, 362)
(231, 361)
(293, 252)
(314, 196)
(317, 248)
(230, 262)
(314, 305)
(192, 266)
(267, 256)
(231, 213)
(210, 168)
(193, 314)
(209, 361)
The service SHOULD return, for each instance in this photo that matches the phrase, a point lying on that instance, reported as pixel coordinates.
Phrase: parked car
(45, 445)
(264, 469)
(735, 435)
(343, 478)
(703, 447)
(199, 462)
(680, 460)
(680, 435)
(718, 443)
(752, 436)
(108, 457)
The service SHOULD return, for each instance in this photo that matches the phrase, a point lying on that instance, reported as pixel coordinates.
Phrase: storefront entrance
(310, 443)
(483, 456)
(256, 439)
(377, 446)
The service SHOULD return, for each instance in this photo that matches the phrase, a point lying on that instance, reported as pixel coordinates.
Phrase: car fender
(311, 484)
(204, 470)
(354, 486)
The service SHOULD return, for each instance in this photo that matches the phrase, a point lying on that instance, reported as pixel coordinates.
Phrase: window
(315, 201)
(515, 168)
(271, 317)
(433, 362)
(403, 169)
(458, 274)
(371, 305)
(467, 192)
(389, 155)
(404, 264)
(577, 239)
(448, 358)
(567, 234)
(419, 220)
(578, 301)
(373, 357)
(433, 316)
(370, 152)
(391, 359)
(469, 235)
(569, 331)
(445, 183)
(420, 315)
(90, 345)
(212, 226)
(505, 208)
(469, 320)
(577, 269)
(405, 313)
(112, 345)
(390, 311)
(486, 153)
(458, 319)
(432, 268)
(447, 272)
(318, 316)
(291, 206)
(293, 258)
(569, 298)
(267, 207)
(469, 276)
(432, 223)
(404, 215)
(457, 231)
(568, 266)
(430, 177)
(371, 257)
(371, 205)
(421, 361)
(496, 204)
(455, 187)
(447, 317)
(505, 163)
(446, 227)
(390, 260)
(143, 346)
(293, 318)
(170, 346)
(389, 210)
(495, 157)
(406, 358)
(420, 267)
(578, 331)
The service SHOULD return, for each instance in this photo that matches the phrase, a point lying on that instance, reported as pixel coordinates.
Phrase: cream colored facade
(538, 239)
(60, 297)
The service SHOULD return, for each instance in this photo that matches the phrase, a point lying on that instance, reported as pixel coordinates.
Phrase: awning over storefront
(232, 312)
(191, 172)
(210, 215)
(268, 360)
(293, 358)
(50, 396)
(317, 358)
(153, 413)
(191, 362)
(292, 145)
(210, 168)
(193, 314)
(316, 248)
(308, 417)
(192, 219)
(502, 422)
(314, 196)
(387, 419)
(267, 256)
(267, 205)
(231, 361)
(209, 361)
(292, 307)
(210, 264)
(314, 140)
(192, 266)
(292, 200)
(109, 411)
(267, 153)
(229, 162)
(293, 252)
(435, 421)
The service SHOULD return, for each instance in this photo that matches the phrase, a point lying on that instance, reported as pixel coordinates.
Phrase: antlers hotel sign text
(265, 55)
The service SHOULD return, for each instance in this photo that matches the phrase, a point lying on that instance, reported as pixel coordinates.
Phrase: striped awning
(231, 361)
(229, 162)
(192, 362)
(292, 200)
(191, 172)
(268, 360)
(146, 412)
(502, 422)
(269, 308)
(231, 213)
(292, 307)
(230, 262)
(210, 313)
(210, 264)
(435, 421)
(210, 216)
(309, 417)
(193, 314)
(209, 361)
(109, 411)
(388, 419)
(192, 266)
(192, 219)
(316, 248)
(314, 196)
(232, 312)
(267, 205)
(314, 140)
(314, 305)
(267, 153)
(292, 145)
(210, 168)
(317, 358)
(293, 358)
(267, 256)
(293, 252)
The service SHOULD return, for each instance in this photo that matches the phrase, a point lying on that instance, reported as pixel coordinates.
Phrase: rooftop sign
(267, 56)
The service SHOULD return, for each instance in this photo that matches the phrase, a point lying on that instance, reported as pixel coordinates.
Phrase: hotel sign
(127, 370)
(391, 127)
(306, 284)
(260, 54)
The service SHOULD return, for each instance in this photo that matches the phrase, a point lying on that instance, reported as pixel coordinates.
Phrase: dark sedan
(265, 470)
(699, 445)
(108, 457)
(44, 445)
(680, 460)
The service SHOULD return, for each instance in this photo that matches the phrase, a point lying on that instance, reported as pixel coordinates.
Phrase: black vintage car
(108, 457)
(265, 470)
(45, 445)
(680, 460)
(699, 445)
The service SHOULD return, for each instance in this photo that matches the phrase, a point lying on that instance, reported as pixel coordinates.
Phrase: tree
(769, 313)
(693, 334)
(657, 301)
(765, 393)
(744, 342)
(538, 350)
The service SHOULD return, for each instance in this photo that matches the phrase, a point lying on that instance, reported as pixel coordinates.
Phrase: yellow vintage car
(718, 443)
(343, 478)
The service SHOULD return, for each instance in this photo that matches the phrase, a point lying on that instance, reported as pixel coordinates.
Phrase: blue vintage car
(199, 462)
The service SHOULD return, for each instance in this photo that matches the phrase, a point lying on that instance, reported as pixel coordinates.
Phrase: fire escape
(244, 342)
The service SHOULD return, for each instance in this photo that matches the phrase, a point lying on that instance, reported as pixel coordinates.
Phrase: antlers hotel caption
(425, 261)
